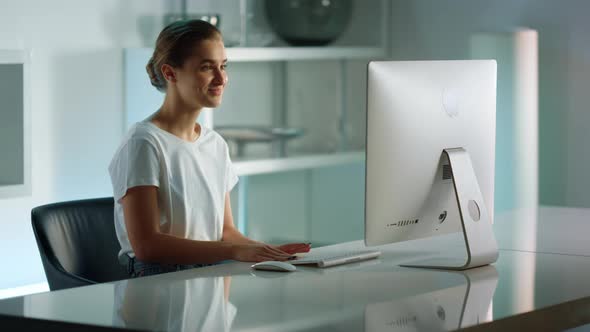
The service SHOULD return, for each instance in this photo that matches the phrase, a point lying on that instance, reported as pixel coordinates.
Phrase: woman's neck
(178, 120)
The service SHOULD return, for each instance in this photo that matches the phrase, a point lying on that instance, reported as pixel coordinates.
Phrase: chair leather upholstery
(77, 242)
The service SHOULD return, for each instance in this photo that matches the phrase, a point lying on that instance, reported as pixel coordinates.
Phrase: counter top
(376, 295)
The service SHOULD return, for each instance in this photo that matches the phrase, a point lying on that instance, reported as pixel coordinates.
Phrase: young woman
(171, 176)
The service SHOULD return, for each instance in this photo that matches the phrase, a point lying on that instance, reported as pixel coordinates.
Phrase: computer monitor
(430, 155)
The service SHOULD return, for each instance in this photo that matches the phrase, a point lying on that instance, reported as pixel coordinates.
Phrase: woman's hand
(294, 248)
(259, 253)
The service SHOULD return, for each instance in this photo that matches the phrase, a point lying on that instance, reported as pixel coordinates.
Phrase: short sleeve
(135, 164)
(231, 175)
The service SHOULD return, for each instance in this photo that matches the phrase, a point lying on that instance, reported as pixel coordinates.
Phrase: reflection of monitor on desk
(441, 310)
(430, 155)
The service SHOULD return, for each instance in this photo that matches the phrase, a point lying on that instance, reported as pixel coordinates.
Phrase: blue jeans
(137, 268)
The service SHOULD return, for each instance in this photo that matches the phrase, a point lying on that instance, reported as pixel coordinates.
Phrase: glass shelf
(296, 162)
(245, 54)
(259, 54)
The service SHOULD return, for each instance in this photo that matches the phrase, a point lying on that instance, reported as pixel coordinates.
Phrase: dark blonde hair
(175, 44)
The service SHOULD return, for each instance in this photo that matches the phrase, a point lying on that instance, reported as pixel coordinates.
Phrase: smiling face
(201, 79)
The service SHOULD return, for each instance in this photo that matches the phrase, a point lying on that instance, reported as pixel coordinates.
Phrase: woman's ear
(168, 73)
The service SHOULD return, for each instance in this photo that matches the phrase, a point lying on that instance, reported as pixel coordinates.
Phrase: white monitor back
(415, 110)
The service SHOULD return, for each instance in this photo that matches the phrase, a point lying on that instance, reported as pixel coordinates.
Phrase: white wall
(77, 107)
(425, 29)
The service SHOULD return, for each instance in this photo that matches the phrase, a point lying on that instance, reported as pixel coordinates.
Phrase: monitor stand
(475, 221)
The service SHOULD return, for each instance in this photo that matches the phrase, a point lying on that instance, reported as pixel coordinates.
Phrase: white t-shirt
(192, 179)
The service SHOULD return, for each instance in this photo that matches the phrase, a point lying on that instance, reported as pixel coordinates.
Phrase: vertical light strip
(516, 53)
(526, 155)
(526, 116)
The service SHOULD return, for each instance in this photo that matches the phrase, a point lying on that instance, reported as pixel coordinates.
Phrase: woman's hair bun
(155, 79)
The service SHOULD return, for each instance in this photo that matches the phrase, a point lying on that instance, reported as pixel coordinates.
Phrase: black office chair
(77, 242)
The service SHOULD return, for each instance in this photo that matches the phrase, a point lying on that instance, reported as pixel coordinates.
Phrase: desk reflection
(186, 305)
(442, 310)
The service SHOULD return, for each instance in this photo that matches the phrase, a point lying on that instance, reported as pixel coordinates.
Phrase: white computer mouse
(274, 266)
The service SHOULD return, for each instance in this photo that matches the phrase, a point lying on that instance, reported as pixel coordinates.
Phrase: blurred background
(294, 110)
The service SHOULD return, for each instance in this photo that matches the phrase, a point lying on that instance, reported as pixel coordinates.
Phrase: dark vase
(308, 22)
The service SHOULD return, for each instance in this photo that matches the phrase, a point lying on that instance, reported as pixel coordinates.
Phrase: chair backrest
(77, 242)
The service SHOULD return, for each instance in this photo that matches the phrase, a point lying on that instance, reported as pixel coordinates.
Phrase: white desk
(375, 295)
(546, 229)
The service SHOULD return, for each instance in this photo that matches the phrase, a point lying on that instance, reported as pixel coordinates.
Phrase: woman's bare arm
(141, 210)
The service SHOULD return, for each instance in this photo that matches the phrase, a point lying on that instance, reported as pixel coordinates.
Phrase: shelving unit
(365, 37)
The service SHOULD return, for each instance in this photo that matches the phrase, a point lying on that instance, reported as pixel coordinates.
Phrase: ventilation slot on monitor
(405, 223)
(403, 322)
(447, 173)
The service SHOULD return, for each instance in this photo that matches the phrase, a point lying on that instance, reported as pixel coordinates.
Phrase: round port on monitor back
(442, 217)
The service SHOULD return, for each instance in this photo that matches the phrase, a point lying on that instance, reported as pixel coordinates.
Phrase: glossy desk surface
(375, 295)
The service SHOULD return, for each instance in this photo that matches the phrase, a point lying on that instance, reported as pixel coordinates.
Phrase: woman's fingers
(260, 253)
(277, 254)
(276, 251)
(293, 248)
(302, 246)
(296, 245)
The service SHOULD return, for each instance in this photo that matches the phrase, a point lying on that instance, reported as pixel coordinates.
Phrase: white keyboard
(332, 259)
